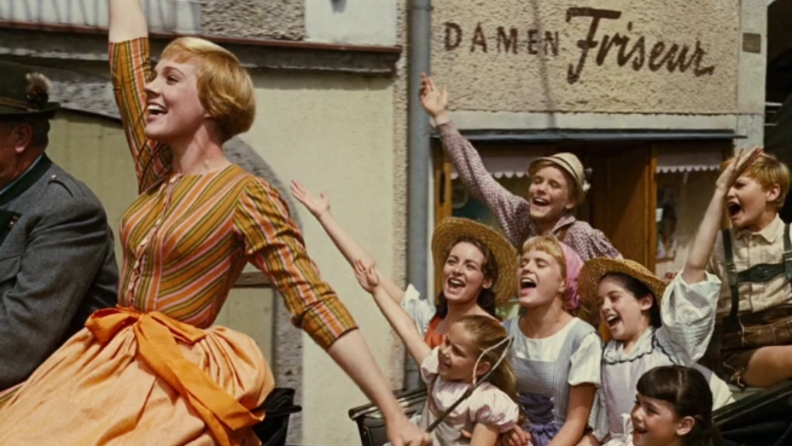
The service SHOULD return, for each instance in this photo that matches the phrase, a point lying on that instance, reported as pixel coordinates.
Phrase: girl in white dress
(652, 324)
(474, 346)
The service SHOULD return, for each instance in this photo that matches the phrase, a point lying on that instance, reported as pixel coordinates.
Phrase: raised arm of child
(401, 322)
(349, 247)
(701, 249)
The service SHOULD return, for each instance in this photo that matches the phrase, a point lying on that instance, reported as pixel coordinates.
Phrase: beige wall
(334, 133)
(539, 70)
(370, 22)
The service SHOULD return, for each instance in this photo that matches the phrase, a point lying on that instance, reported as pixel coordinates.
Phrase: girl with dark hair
(477, 266)
(651, 324)
(673, 407)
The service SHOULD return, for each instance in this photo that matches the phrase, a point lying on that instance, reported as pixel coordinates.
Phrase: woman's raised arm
(127, 21)
(130, 71)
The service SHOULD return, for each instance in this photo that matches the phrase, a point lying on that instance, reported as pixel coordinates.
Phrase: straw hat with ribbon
(571, 165)
(24, 92)
(595, 269)
(452, 228)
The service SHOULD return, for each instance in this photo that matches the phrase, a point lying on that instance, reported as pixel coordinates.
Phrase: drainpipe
(418, 161)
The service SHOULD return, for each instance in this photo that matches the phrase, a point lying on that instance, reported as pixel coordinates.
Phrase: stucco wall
(372, 22)
(334, 133)
(254, 18)
(533, 56)
(162, 15)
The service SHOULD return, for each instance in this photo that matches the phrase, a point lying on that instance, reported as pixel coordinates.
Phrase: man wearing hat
(57, 264)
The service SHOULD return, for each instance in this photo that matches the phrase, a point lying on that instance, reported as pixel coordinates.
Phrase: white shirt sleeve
(688, 313)
(721, 394)
(421, 310)
(429, 366)
(586, 362)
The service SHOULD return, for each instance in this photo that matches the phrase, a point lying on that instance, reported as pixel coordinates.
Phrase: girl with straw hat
(558, 184)
(477, 266)
(556, 356)
(651, 324)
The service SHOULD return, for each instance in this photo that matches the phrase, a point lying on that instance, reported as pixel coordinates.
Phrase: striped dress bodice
(543, 385)
(182, 250)
(187, 237)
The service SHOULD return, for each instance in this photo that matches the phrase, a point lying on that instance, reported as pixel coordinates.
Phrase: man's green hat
(24, 92)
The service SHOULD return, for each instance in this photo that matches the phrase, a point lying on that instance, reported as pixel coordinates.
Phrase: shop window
(685, 181)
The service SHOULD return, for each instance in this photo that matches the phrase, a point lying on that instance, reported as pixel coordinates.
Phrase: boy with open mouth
(753, 259)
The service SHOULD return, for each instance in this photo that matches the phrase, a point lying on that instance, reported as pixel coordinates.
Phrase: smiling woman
(555, 355)
(225, 90)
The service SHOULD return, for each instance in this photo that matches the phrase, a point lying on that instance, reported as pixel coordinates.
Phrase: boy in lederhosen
(752, 345)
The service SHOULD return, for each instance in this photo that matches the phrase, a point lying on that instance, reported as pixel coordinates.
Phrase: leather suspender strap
(731, 274)
(787, 254)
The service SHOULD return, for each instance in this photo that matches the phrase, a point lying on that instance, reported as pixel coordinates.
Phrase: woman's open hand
(316, 205)
(433, 100)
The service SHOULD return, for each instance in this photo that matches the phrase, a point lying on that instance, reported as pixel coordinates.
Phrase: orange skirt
(117, 382)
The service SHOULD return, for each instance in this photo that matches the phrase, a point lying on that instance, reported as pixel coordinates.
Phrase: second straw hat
(452, 228)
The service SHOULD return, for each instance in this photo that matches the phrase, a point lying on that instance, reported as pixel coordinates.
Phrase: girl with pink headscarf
(555, 355)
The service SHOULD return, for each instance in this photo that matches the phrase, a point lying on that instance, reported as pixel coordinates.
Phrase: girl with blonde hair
(556, 356)
(471, 383)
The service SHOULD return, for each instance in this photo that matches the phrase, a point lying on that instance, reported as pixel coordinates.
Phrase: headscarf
(574, 263)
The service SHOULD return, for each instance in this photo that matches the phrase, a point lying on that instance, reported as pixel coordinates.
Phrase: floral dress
(488, 405)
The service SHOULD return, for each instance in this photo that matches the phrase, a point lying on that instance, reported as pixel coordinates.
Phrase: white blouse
(687, 312)
(584, 364)
(421, 310)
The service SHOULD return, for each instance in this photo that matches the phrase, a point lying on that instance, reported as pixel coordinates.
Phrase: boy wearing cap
(57, 264)
(558, 185)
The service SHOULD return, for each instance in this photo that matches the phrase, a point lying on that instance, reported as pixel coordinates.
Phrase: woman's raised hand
(367, 276)
(316, 205)
(434, 101)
